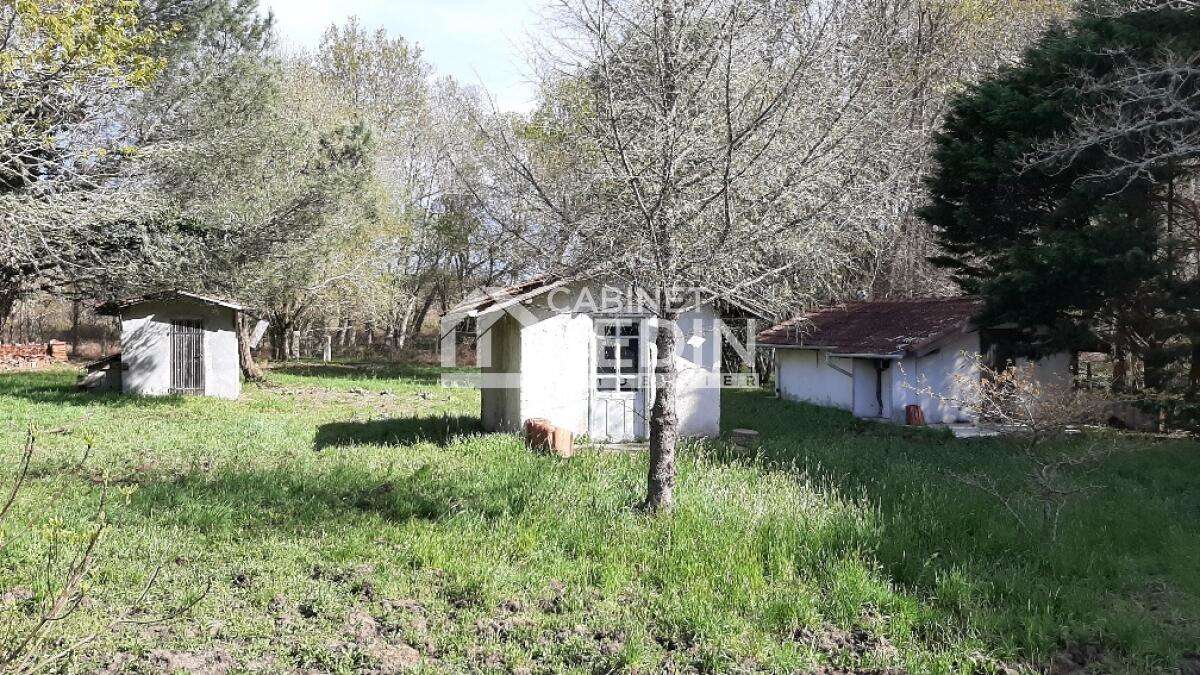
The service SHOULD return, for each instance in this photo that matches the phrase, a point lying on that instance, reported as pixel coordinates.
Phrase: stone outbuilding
(178, 343)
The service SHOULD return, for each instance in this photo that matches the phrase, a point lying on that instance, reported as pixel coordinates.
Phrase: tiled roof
(882, 327)
(488, 300)
(113, 308)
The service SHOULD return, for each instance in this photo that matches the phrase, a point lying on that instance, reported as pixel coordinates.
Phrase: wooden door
(619, 396)
(187, 357)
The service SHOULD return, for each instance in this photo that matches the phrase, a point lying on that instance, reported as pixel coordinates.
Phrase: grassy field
(354, 519)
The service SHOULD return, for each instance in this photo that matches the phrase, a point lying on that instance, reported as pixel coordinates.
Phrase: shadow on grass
(360, 370)
(58, 388)
(960, 548)
(397, 431)
(250, 503)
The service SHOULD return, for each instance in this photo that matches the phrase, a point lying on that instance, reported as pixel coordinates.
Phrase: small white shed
(178, 343)
(581, 355)
(875, 358)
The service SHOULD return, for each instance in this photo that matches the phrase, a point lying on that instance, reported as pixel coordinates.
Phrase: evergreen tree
(1063, 240)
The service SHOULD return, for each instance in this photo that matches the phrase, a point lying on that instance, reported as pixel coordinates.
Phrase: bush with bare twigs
(28, 641)
(1017, 403)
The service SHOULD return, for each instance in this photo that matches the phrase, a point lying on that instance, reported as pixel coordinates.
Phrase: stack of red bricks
(32, 355)
(541, 435)
(57, 350)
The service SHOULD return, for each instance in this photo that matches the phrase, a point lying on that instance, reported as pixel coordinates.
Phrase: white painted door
(619, 384)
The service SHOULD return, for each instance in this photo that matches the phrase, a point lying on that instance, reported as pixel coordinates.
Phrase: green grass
(339, 491)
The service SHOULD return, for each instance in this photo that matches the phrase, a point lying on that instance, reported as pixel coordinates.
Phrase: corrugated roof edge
(113, 308)
(786, 335)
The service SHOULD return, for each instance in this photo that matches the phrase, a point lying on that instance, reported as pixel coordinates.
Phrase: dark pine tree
(1068, 260)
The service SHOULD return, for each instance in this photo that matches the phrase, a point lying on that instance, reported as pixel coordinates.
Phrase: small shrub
(1015, 402)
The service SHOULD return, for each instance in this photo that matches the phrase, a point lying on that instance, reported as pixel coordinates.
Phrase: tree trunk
(400, 332)
(664, 423)
(76, 308)
(294, 348)
(664, 420)
(280, 332)
(250, 370)
(1120, 372)
(1194, 371)
(8, 300)
(419, 320)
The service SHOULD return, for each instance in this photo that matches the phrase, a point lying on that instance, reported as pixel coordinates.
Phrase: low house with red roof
(875, 358)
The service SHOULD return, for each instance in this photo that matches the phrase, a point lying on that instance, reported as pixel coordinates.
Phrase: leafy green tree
(108, 110)
(265, 197)
(65, 68)
(425, 154)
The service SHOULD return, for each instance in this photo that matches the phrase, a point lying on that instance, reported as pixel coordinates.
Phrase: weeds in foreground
(1038, 417)
(28, 616)
(348, 530)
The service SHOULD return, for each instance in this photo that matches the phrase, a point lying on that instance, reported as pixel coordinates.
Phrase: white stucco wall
(555, 373)
(865, 404)
(872, 389)
(501, 399)
(932, 381)
(805, 375)
(554, 360)
(1053, 372)
(698, 363)
(146, 348)
(889, 403)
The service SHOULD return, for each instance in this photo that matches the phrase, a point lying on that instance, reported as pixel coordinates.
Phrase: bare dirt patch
(1081, 658)
(854, 646)
(381, 646)
(215, 661)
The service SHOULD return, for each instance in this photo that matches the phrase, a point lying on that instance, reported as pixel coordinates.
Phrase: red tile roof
(882, 327)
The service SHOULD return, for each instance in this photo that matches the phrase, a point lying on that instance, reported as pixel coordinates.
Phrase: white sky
(479, 42)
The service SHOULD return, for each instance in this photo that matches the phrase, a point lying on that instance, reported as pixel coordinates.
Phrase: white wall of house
(810, 376)
(500, 404)
(806, 375)
(146, 348)
(555, 370)
(698, 384)
(865, 400)
(889, 402)
(933, 380)
(1053, 371)
(872, 389)
(553, 357)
